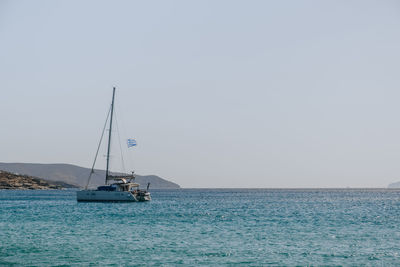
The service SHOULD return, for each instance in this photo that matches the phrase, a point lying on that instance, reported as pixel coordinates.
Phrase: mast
(109, 136)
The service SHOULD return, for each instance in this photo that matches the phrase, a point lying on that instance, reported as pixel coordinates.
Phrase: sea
(207, 227)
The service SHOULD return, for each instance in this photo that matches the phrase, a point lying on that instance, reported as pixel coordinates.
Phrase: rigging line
(119, 141)
(98, 148)
(128, 153)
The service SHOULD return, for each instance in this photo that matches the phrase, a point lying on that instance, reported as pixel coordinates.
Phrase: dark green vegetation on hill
(77, 176)
(10, 180)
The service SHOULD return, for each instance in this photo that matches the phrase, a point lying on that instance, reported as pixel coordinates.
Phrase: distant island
(10, 180)
(394, 185)
(68, 175)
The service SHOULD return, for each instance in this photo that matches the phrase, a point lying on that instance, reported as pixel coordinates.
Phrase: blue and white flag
(131, 142)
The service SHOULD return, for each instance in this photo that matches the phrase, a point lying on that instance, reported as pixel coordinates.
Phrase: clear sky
(216, 93)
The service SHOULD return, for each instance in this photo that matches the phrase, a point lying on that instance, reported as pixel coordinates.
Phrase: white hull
(112, 196)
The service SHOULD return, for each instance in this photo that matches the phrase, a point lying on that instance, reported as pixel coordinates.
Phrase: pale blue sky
(217, 93)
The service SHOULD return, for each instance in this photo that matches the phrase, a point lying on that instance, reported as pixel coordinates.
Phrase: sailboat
(122, 188)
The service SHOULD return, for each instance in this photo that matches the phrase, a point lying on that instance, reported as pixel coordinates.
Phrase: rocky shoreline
(14, 181)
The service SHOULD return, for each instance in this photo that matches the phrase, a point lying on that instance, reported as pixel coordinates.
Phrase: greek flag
(131, 142)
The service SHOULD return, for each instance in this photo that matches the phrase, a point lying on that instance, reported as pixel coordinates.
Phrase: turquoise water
(203, 227)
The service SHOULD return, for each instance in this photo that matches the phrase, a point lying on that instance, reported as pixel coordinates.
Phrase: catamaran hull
(107, 196)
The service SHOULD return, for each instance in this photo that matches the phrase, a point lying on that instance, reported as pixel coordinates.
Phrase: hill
(15, 181)
(394, 185)
(77, 176)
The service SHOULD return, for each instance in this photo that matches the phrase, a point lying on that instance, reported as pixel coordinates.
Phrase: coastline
(14, 181)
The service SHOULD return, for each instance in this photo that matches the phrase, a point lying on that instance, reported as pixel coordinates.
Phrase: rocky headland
(10, 180)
